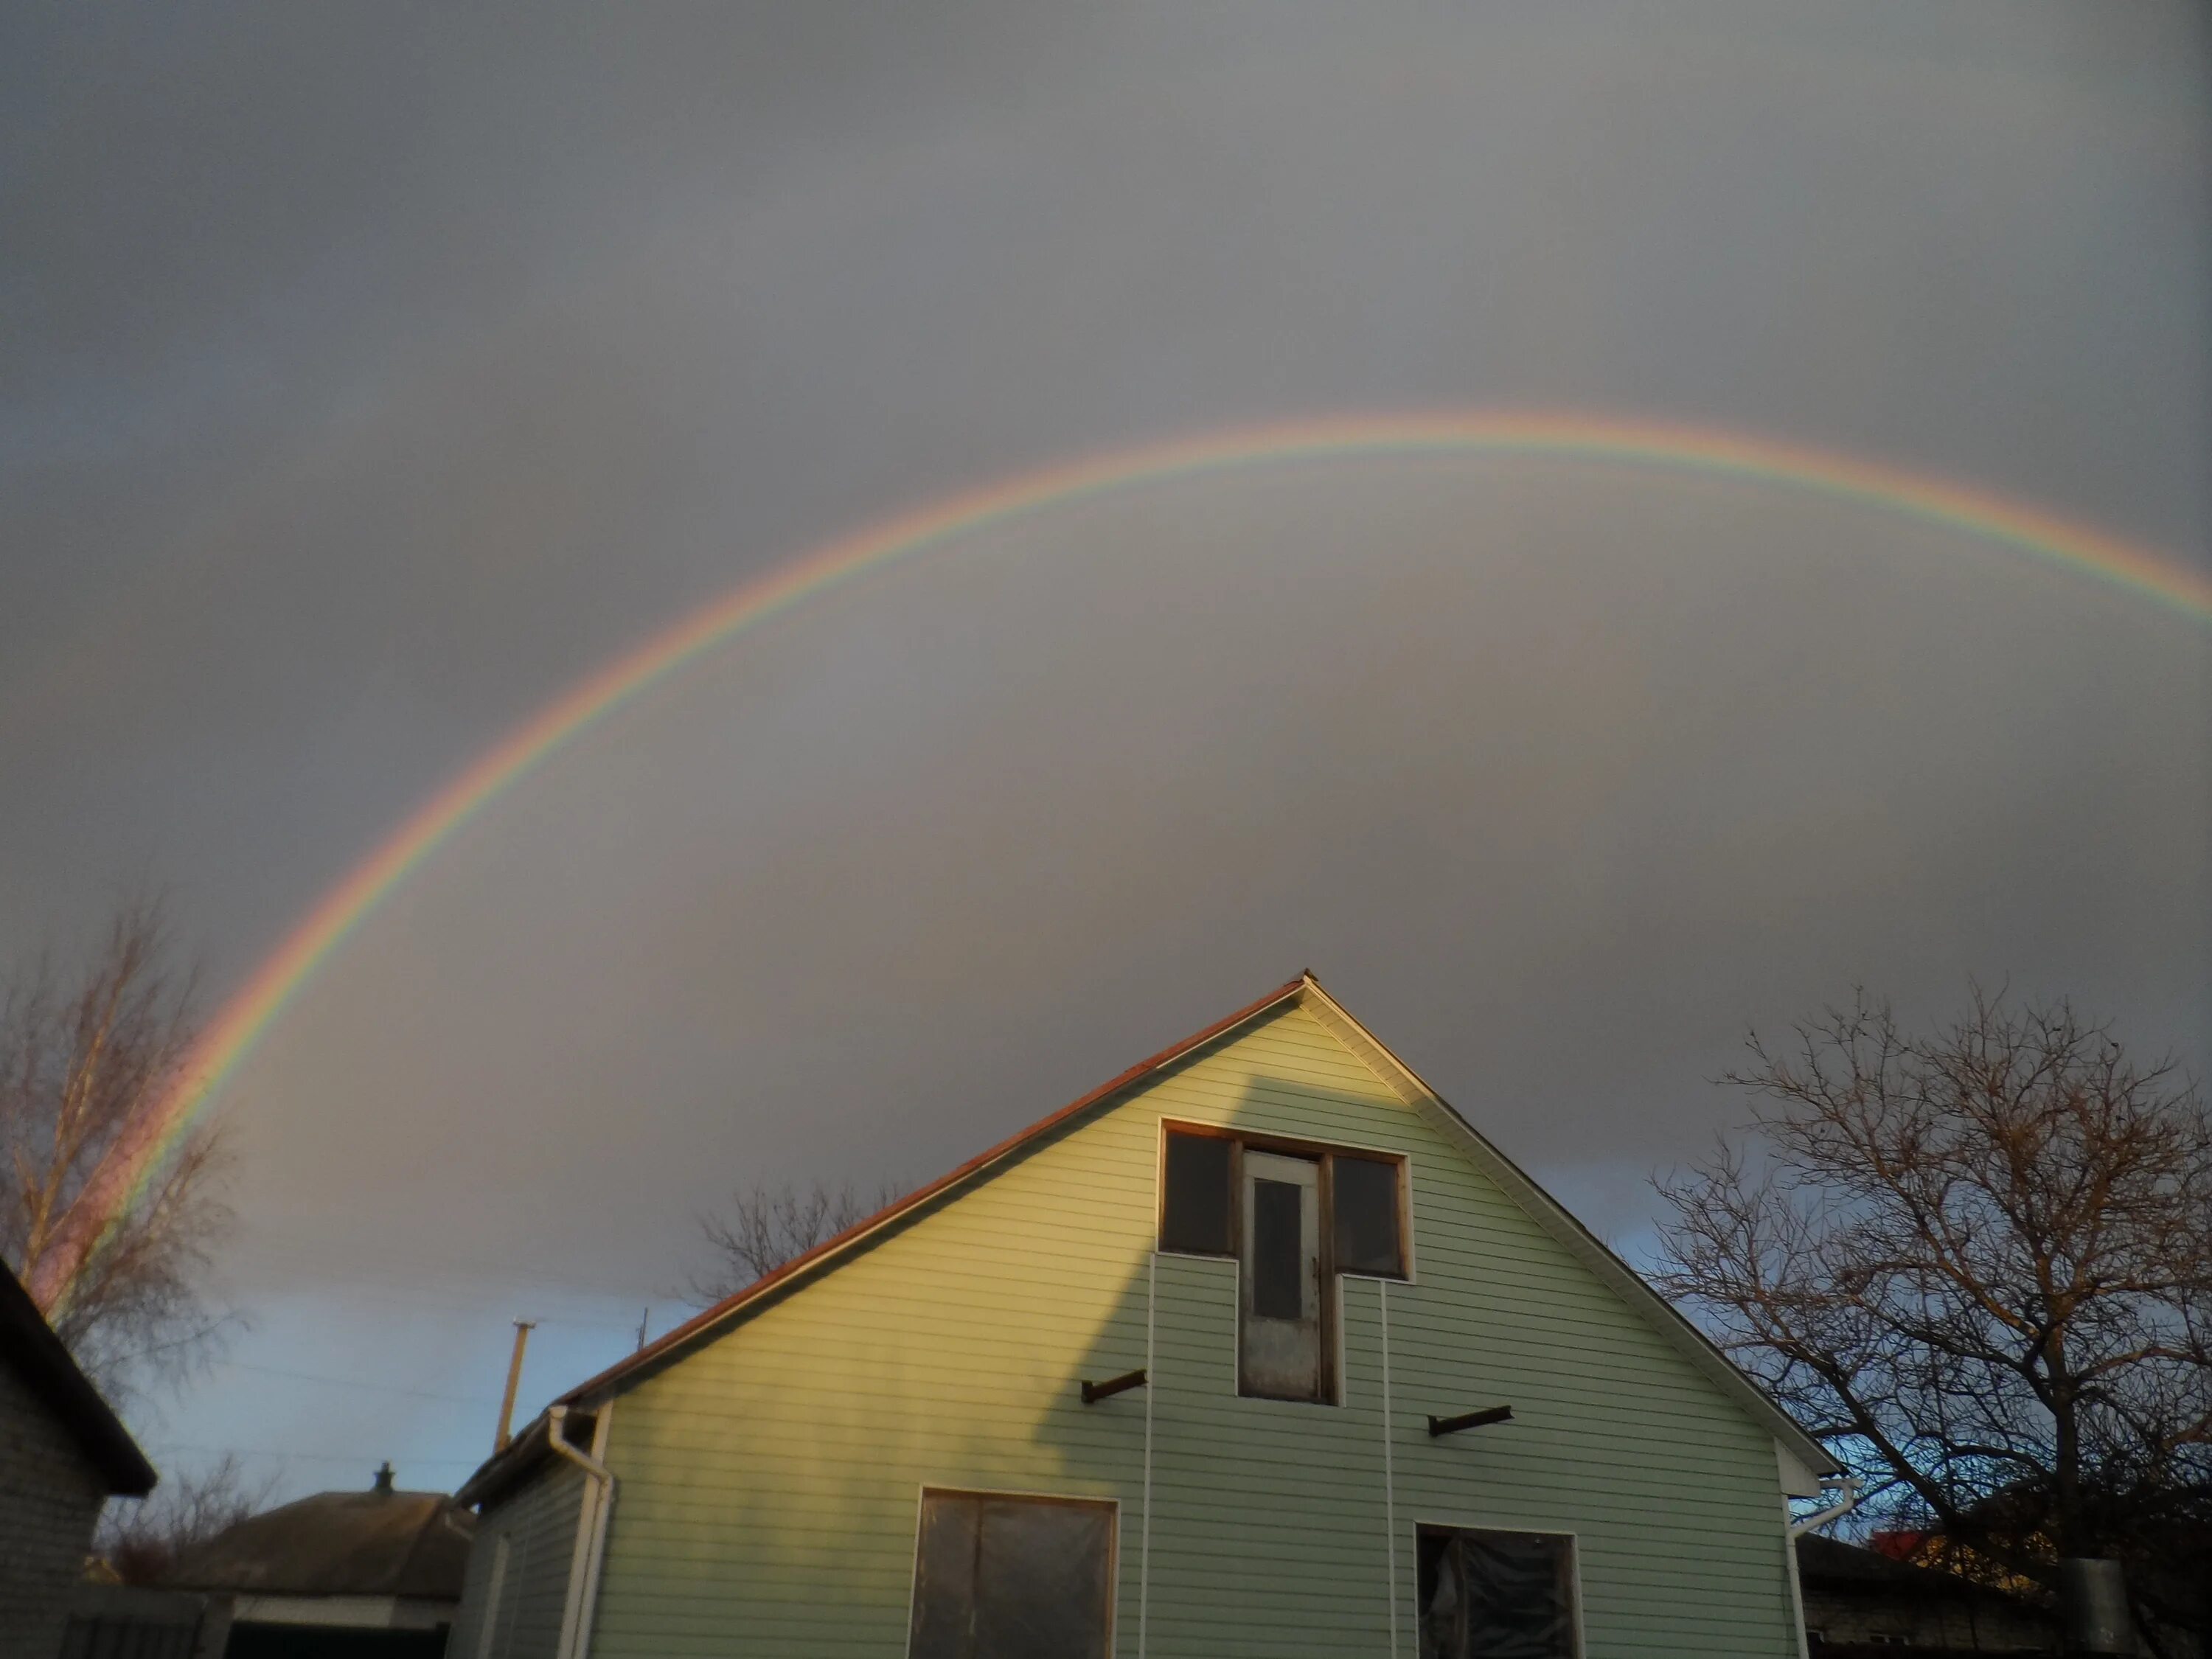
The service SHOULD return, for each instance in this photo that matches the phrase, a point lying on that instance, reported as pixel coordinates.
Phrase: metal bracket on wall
(1095, 1392)
(1469, 1420)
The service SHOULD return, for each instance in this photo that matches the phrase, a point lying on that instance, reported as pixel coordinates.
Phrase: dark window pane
(1012, 1578)
(944, 1576)
(1441, 1618)
(1194, 1213)
(1495, 1596)
(1040, 1589)
(1367, 1233)
(1278, 1266)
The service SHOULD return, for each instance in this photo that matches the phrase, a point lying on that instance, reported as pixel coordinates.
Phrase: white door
(1279, 1345)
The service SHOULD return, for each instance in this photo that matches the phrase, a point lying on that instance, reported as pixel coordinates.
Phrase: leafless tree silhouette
(1979, 1265)
(87, 1058)
(143, 1538)
(764, 1227)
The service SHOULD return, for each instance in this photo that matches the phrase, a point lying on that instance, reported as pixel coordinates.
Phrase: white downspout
(584, 1590)
(1796, 1587)
(1849, 1487)
(1793, 1530)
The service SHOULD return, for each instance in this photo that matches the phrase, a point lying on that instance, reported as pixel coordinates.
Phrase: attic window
(1194, 1213)
(1369, 1238)
(1296, 1218)
(1365, 1207)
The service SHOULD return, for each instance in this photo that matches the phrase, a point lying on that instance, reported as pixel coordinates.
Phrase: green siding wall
(538, 1523)
(769, 1480)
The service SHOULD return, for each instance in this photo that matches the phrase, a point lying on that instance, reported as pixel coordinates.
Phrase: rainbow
(124, 1176)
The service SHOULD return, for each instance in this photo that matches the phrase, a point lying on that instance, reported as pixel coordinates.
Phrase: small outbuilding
(361, 1575)
(63, 1454)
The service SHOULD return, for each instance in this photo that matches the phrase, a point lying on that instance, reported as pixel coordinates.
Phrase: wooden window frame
(1323, 1154)
(1207, 1132)
(1111, 1505)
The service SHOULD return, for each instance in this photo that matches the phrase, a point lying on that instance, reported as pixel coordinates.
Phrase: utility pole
(642, 1320)
(522, 1330)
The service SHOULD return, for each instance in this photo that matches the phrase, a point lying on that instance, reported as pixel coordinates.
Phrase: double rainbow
(123, 1178)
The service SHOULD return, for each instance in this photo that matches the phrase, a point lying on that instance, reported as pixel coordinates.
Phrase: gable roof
(1305, 991)
(36, 1354)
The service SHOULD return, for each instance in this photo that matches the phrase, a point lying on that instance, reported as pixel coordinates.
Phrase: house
(63, 1456)
(1260, 1348)
(369, 1575)
(1860, 1601)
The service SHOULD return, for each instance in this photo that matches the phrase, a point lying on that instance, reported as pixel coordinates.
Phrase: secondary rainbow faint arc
(241, 1021)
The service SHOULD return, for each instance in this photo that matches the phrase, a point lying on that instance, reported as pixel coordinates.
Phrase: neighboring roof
(407, 1544)
(1306, 992)
(36, 1354)
(1832, 1562)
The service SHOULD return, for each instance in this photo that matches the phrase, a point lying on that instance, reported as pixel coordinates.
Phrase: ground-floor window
(1488, 1595)
(998, 1577)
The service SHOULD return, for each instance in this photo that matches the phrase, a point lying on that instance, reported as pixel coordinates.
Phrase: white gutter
(1849, 1487)
(575, 1640)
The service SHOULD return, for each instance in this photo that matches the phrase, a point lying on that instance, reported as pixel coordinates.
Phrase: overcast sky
(369, 374)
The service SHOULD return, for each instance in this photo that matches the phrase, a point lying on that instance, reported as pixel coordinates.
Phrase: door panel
(1280, 1342)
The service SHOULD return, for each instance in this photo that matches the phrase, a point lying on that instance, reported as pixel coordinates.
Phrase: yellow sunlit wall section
(769, 1478)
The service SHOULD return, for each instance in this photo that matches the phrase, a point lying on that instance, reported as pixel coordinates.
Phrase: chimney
(383, 1478)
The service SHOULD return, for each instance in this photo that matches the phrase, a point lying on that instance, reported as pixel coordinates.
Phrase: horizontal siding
(538, 1521)
(770, 1480)
(50, 1496)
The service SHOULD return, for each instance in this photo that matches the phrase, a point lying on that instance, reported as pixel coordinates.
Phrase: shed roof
(34, 1353)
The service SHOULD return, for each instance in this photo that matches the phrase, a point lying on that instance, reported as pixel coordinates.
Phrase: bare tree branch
(764, 1227)
(86, 1058)
(143, 1538)
(1981, 1261)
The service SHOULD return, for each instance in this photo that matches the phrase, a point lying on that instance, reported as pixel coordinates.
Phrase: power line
(357, 1382)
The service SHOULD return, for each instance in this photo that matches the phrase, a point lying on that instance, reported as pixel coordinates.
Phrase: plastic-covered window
(997, 1577)
(1194, 1208)
(1496, 1595)
(1368, 1237)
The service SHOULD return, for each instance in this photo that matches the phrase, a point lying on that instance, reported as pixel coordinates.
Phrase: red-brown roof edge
(799, 1264)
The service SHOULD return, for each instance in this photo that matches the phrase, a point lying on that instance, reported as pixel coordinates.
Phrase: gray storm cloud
(370, 375)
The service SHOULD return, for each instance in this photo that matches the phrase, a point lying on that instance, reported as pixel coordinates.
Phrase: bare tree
(764, 1227)
(1977, 1264)
(111, 1233)
(144, 1538)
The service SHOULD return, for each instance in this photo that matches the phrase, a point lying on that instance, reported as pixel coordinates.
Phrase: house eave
(1305, 991)
(1556, 1220)
(825, 1255)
